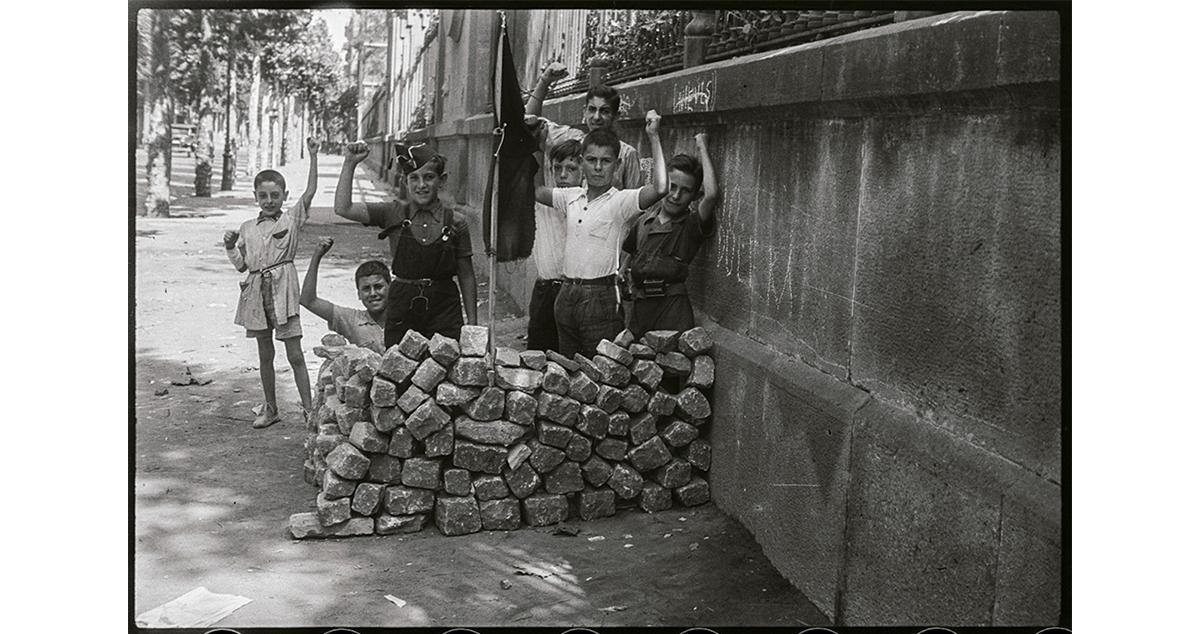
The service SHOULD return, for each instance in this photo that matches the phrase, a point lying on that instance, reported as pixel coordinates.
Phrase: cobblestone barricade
(420, 436)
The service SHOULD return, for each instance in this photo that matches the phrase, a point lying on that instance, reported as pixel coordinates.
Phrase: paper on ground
(399, 602)
(198, 608)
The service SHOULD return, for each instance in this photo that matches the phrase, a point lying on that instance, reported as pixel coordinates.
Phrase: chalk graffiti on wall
(693, 95)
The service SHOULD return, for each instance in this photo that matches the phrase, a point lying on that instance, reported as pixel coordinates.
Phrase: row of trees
(229, 69)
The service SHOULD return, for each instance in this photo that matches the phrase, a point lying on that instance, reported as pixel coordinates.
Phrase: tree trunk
(255, 116)
(229, 157)
(159, 113)
(202, 183)
(285, 119)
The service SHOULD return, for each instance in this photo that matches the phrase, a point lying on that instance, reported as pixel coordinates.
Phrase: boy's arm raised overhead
(653, 191)
(553, 72)
(708, 203)
(342, 205)
(311, 189)
(235, 250)
(322, 308)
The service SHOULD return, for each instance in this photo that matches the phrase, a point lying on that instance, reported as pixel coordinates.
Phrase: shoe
(267, 418)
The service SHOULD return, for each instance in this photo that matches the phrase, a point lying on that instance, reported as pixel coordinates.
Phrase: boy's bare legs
(266, 371)
(295, 357)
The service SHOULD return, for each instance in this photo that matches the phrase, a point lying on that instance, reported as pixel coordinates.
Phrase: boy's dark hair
(369, 268)
(569, 149)
(608, 94)
(270, 176)
(687, 164)
(602, 138)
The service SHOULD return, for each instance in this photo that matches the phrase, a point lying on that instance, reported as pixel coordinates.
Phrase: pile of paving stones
(418, 432)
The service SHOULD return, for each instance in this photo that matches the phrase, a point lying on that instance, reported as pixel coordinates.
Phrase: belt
(541, 281)
(596, 281)
(425, 281)
(651, 290)
(273, 266)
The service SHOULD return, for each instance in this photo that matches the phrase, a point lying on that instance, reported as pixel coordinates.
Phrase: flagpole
(495, 211)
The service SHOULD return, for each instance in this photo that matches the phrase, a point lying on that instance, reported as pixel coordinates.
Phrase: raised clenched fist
(356, 152)
(652, 121)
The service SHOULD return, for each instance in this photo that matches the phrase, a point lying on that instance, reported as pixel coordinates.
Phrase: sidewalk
(212, 495)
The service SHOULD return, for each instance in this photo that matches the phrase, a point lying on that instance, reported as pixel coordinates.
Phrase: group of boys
(591, 207)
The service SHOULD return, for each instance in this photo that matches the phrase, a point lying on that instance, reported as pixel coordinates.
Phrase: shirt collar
(583, 193)
(265, 218)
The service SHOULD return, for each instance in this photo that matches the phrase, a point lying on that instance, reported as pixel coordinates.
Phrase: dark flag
(513, 167)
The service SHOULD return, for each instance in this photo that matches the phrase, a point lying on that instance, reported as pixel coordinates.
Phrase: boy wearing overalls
(430, 243)
(664, 241)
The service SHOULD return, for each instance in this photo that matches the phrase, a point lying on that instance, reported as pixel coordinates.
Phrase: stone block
(367, 498)
(308, 525)
(624, 339)
(507, 357)
(593, 421)
(364, 364)
(500, 515)
(545, 458)
(422, 473)
(402, 443)
(310, 472)
(694, 342)
(520, 408)
(490, 487)
(674, 363)
(679, 434)
(703, 372)
(411, 399)
(402, 500)
(612, 448)
(648, 374)
(693, 493)
(554, 435)
(654, 498)
(634, 398)
(583, 389)
(533, 359)
(642, 427)
(457, 515)
(439, 443)
(326, 415)
(587, 367)
(469, 372)
(626, 482)
(347, 416)
(348, 462)
(544, 509)
(559, 409)
(443, 349)
(618, 424)
(393, 524)
(611, 372)
(383, 392)
(323, 443)
(473, 341)
(597, 503)
(609, 398)
(332, 339)
(649, 455)
(335, 486)
(579, 448)
(612, 351)
(386, 419)
(693, 405)
(384, 468)
(555, 379)
(426, 419)
(522, 379)
(413, 345)
(367, 438)
(479, 458)
(661, 340)
(642, 351)
(567, 364)
(523, 480)
(451, 395)
(496, 432)
(566, 478)
(457, 482)
(428, 375)
(596, 471)
(330, 512)
(661, 404)
(517, 454)
(674, 474)
(488, 406)
(699, 454)
(396, 367)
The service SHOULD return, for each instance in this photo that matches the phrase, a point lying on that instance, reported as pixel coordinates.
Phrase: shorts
(289, 330)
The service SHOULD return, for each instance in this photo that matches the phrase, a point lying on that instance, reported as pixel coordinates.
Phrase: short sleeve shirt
(356, 325)
(426, 224)
(650, 234)
(594, 229)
